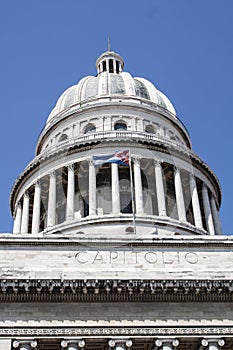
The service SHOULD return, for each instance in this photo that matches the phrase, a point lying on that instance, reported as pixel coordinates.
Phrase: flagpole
(132, 192)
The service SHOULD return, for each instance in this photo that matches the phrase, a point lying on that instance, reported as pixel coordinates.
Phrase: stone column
(73, 344)
(207, 210)
(36, 209)
(107, 65)
(51, 220)
(114, 66)
(70, 193)
(212, 344)
(120, 344)
(92, 189)
(215, 213)
(25, 213)
(160, 189)
(25, 344)
(166, 344)
(195, 202)
(179, 196)
(115, 189)
(138, 187)
(18, 218)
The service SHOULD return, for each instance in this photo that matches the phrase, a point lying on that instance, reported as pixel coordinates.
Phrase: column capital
(158, 162)
(69, 342)
(26, 194)
(38, 183)
(31, 343)
(204, 187)
(172, 341)
(207, 341)
(52, 174)
(212, 196)
(114, 342)
(18, 205)
(90, 161)
(136, 159)
(192, 176)
(176, 169)
(70, 167)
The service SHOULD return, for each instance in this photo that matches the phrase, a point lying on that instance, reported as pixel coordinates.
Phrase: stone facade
(126, 253)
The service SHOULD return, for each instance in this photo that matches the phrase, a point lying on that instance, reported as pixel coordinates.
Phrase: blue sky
(184, 47)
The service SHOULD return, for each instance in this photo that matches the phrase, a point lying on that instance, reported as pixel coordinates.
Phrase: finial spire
(109, 46)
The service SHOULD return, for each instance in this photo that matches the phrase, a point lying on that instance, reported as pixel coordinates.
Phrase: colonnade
(104, 66)
(124, 344)
(209, 213)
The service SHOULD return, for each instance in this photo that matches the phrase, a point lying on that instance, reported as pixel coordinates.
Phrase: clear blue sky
(184, 47)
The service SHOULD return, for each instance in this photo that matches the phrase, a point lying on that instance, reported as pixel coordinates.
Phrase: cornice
(109, 101)
(54, 290)
(157, 145)
(56, 240)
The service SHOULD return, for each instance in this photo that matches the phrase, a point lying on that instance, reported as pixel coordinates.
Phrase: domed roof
(110, 81)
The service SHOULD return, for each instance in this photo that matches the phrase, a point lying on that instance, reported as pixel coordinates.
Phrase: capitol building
(117, 240)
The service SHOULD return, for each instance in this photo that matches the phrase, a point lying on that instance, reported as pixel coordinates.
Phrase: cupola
(110, 62)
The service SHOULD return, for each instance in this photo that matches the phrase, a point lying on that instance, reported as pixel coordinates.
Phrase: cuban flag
(119, 157)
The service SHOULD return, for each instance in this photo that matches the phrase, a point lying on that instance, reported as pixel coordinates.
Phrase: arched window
(63, 137)
(120, 126)
(104, 66)
(90, 129)
(150, 129)
(117, 67)
(110, 66)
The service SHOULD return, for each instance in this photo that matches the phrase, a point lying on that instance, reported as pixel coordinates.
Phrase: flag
(119, 157)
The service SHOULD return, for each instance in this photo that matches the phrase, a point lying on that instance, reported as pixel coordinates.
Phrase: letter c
(80, 260)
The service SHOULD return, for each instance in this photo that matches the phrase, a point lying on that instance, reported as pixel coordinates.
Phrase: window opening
(110, 66)
(150, 129)
(117, 67)
(90, 129)
(63, 137)
(120, 126)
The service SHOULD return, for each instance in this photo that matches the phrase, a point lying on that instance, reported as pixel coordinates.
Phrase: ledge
(131, 240)
(133, 331)
(115, 290)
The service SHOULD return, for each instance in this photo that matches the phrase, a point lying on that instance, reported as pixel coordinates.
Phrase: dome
(110, 81)
(114, 151)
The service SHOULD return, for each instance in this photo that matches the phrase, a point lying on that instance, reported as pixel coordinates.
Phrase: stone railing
(114, 135)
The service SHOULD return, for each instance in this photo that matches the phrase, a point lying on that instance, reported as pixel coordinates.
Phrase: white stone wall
(5, 344)
(83, 260)
(105, 119)
(116, 314)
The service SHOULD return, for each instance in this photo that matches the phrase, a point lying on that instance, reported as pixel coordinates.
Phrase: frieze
(116, 331)
(136, 257)
(115, 290)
